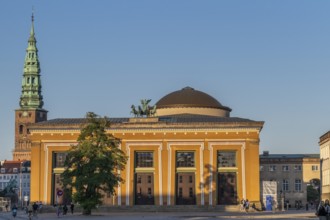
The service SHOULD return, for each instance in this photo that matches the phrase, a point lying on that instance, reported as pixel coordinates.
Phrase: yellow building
(324, 144)
(191, 152)
(204, 158)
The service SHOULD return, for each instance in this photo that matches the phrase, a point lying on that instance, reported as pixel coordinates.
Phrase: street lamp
(282, 200)
(20, 184)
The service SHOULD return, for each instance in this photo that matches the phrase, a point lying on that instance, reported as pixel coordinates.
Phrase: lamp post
(20, 185)
(282, 200)
(321, 179)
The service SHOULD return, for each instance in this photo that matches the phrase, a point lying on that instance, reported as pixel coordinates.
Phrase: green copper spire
(31, 97)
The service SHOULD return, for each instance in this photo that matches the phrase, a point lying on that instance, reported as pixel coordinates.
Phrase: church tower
(31, 102)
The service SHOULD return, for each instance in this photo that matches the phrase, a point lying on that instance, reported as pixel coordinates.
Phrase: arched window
(21, 128)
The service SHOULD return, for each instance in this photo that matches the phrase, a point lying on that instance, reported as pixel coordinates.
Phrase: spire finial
(32, 25)
(32, 17)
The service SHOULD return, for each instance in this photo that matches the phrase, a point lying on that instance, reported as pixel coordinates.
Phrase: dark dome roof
(189, 97)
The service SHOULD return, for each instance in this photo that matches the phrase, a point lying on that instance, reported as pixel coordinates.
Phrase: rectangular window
(297, 167)
(272, 168)
(285, 168)
(285, 185)
(59, 159)
(3, 170)
(144, 159)
(15, 170)
(315, 167)
(297, 184)
(185, 159)
(226, 159)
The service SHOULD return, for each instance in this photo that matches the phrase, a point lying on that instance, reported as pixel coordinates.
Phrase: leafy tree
(92, 164)
(313, 193)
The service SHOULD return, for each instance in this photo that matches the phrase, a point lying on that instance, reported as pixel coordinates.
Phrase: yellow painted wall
(164, 144)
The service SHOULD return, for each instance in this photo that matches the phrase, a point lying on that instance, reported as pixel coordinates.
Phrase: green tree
(92, 165)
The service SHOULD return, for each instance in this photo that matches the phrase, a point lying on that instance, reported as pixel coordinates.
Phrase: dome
(190, 101)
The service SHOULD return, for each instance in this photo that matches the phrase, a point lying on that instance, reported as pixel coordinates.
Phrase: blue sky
(267, 60)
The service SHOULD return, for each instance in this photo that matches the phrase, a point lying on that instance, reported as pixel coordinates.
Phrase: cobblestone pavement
(287, 215)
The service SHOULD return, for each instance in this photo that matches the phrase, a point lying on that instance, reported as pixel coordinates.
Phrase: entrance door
(185, 190)
(144, 189)
(227, 189)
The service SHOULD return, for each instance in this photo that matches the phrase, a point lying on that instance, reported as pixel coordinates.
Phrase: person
(7, 205)
(30, 210)
(40, 206)
(72, 207)
(14, 210)
(274, 204)
(35, 208)
(321, 212)
(59, 210)
(242, 206)
(247, 206)
(327, 208)
(65, 209)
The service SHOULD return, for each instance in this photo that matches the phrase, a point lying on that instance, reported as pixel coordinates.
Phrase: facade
(17, 172)
(292, 174)
(324, 144)
(190, 152)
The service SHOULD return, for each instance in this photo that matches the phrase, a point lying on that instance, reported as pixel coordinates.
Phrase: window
(144, 159)
(297, 167)
(191, 193)
(21, 128)
(180, 192)
(59, 159)
(297, 185)
(261, 168)
(285, 168)
(185, 159)
(285, 185)
(15, 170)
(272, 168)
(149, 179)
(226, 159)
(180, 179)
(315, 167)
(3, 170)
(190, 179)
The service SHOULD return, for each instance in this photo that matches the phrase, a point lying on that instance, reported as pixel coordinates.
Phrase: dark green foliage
(92, 165)
(312, 193)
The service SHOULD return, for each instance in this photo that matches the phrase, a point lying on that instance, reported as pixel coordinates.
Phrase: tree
(92, 165)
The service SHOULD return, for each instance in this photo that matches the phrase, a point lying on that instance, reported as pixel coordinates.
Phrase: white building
(18, 173)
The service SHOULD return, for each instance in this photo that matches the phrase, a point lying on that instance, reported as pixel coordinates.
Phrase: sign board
(59, 192)
(26, 198)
